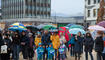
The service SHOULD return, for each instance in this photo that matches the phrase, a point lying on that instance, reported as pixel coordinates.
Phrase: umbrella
(48, 27)
(102, 24)
(65, 32)
(41, 26)
(96, 27)
(16, 24)
(76, 30)
(33, 28)
(17, 28)
(69, 25)
(76, 26)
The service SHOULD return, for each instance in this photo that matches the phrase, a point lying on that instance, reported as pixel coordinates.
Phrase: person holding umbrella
(78, 47)
(88, 43)
(24, 44)
(55, 42)
(45, 41)
(5, 48)
(103, 53)
(16, 46)
(99, 45)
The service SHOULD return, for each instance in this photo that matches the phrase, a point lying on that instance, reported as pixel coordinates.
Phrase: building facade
(12, 9)
(91, 11)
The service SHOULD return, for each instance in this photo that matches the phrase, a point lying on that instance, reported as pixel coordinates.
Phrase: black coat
(25, 39)
(16, 40)
(88, 43)
(78, 46)
(8, 43)
(99, 44)
(46, 39)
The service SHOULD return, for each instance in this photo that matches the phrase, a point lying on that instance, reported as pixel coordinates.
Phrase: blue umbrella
(69, 25)
(76, 30)
(17, 28)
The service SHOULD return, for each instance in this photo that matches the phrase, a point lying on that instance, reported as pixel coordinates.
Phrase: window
(98, 1)
(88, 13)
(94, 1)
(94, 12)
(89, 1)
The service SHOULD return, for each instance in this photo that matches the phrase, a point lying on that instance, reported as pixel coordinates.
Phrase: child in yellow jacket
(37, 39)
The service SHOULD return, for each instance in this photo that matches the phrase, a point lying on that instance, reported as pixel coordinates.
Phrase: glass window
(99, 1)
(94, 12)
(94, 1)
(89, 1)
(88, 13)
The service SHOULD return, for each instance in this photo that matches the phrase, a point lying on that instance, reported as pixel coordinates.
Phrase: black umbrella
(32, 28)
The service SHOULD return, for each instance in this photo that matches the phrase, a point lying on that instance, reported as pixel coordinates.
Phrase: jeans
(77, 56)
(16, 50)
(30, 52)
(99, 56)
(25, 51)
(103, 56)
(86, 55)
(55, 54)
(72, 51)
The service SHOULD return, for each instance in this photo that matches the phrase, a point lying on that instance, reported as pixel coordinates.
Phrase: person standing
(103, 53)
(62, 51)
(24, 45)
(78, 47)
(56, 42)
(40, 52)
(31, 45)
(37, 39)
(45, 42)
(99, 45)
(88, 43)
(0, 43)
(16, 46)
(72, 42)
(5, 48)
(50, 51)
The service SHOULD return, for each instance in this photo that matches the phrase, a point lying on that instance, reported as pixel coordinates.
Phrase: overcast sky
(68, 7)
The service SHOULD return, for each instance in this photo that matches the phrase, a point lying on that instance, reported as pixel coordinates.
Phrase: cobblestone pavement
(69, 57)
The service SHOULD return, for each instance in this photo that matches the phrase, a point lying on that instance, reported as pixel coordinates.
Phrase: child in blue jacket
(40, 51)
(51, 52)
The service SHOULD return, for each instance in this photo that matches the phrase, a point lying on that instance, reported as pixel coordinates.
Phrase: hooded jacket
(55, 41)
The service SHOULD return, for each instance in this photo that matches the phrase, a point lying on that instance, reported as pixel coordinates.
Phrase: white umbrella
(76, 30)
(96, 27)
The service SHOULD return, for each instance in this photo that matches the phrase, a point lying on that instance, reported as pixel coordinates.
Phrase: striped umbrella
(17, 26)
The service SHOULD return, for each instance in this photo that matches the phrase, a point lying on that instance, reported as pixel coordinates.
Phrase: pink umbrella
(96, 27)
(102, 24)
(65, 32)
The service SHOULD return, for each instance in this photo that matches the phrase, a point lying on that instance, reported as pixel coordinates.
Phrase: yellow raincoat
(37, 41)
(55, 41)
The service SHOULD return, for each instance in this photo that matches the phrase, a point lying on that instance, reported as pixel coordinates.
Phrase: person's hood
(40, 43)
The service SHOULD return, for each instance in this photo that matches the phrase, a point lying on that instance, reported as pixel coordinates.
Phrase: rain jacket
(55, 41)
(45, 39)
(40, 51)
(99, 44)
(62, 49)
(51, 52)
(37, 41)
(72, 40)
(88, 43)
(78, 46)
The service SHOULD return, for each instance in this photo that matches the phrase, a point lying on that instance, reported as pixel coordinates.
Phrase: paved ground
(69, 57)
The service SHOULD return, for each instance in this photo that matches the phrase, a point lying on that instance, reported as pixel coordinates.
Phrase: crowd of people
(47, 45)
